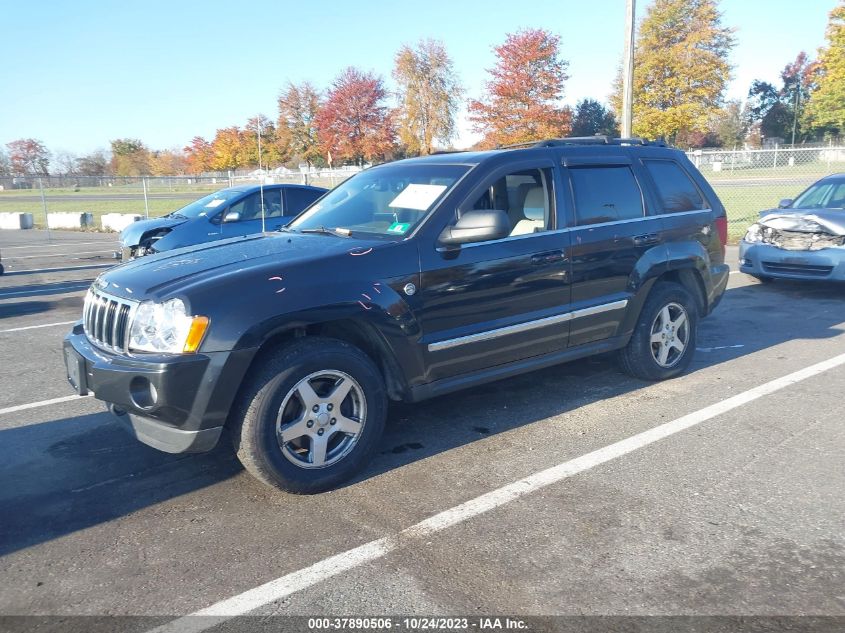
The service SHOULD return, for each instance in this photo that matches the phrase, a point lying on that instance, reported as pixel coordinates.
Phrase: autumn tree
(168, 162)
(271, 152)
(94, 164)
(681, 68)
(429, 94)
(729, 125)
(229, 149)
(130, 157)
(354, 124)
(199, 156)
(297, 123)
(825, 111)
(5, 165)
(777, 111)
(591, 118)
(28, 157)
(522, 100)
(66, 162)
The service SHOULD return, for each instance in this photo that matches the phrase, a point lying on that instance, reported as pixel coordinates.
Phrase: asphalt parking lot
(735, 507)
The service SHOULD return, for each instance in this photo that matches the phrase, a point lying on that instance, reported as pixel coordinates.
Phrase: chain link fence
(749, 181)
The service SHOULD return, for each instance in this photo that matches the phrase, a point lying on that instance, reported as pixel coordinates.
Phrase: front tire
(310, 416)
(663, 342)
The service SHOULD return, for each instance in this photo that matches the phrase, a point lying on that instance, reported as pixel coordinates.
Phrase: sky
(78, 74)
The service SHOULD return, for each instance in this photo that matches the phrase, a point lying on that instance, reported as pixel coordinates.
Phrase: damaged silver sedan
(802, 239)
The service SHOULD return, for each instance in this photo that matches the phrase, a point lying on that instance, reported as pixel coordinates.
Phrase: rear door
(297, 199)
(612, 232)
(494, 302)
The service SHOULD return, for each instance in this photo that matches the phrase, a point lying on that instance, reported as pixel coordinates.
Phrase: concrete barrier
(15, 221)
(118, 221)
(66, 220)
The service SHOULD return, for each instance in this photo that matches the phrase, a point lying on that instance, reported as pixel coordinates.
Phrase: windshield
(387, 200)
(209, 205)
(822, 195)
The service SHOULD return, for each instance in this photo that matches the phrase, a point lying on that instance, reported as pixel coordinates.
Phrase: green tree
(591, 118)
(825, 111)
(429, 94)
(297, 138)
(681, 68)
(523, 97)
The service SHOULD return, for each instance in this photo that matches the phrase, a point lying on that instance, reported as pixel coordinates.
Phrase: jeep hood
(132, 234)
(173, 271)
(805, 221)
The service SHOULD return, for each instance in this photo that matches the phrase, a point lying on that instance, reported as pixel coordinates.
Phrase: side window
(674, 187)
(296, 199)
(272, 203)
(605, 194)
(247, 208)
(525, 196)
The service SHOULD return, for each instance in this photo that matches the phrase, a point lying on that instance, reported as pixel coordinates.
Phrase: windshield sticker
(215, 203)
(418, 197)
(398, 227)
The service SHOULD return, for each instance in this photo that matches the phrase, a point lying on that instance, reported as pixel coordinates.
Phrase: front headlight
(166, 327)
(754, 234)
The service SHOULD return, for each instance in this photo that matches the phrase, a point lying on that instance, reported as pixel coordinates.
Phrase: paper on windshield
(215, 203)
(419, 197)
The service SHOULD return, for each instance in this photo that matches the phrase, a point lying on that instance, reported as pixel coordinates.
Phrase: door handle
(648, 238)
(548, 258)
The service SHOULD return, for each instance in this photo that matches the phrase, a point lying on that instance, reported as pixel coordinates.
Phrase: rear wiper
(339, 232)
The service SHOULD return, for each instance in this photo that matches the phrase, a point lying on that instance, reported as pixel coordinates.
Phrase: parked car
(226, 213)
(408, 281)
(801, 239)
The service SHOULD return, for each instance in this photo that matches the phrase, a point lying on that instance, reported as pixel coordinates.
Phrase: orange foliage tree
(523, 97)
(354, 123)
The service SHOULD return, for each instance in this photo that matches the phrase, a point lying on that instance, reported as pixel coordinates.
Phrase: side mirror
(785, 203)
(232, 216)
(477, 226)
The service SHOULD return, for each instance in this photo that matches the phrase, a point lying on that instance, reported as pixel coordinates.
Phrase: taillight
(722, 229)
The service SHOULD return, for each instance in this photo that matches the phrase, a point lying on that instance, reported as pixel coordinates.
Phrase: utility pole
(628, 70)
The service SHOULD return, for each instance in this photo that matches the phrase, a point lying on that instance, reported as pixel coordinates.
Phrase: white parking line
(82, 285)
(43, 403)
(61, 255)
(58, 269)
(334, 565)
(54, 245)
(35, 327)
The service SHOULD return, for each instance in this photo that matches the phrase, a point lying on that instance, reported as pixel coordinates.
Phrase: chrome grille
(106, 320)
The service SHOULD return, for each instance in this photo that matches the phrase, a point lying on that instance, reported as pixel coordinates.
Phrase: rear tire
(310, 416)
(663, 342)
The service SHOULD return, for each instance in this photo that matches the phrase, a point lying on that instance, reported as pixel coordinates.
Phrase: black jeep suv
(409, 280)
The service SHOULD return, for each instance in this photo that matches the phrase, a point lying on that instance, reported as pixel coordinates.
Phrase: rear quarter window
(605, 194)
(675, 190)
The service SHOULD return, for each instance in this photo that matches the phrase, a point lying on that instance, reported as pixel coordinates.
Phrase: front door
(495, 302)
(249, 210)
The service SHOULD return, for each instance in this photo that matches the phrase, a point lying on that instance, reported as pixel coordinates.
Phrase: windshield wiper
(178, 216)
(339, 232)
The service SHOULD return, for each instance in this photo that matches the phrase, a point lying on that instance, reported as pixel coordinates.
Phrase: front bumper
(175, 403)
(765, 260)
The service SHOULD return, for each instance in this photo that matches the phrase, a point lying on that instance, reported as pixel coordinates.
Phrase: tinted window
(605, 194)
(297, 199)
(524, 196)
(674, 187)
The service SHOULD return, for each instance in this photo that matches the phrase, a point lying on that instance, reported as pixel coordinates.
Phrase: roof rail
(598, 139)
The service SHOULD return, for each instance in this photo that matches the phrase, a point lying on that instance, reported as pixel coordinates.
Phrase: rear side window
(605, 194)
(297, 199)
(676, 191)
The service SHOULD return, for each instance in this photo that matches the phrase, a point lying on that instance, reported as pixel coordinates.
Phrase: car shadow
(55, 269)
(70, 474)
(46, 289)
(25, 308)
